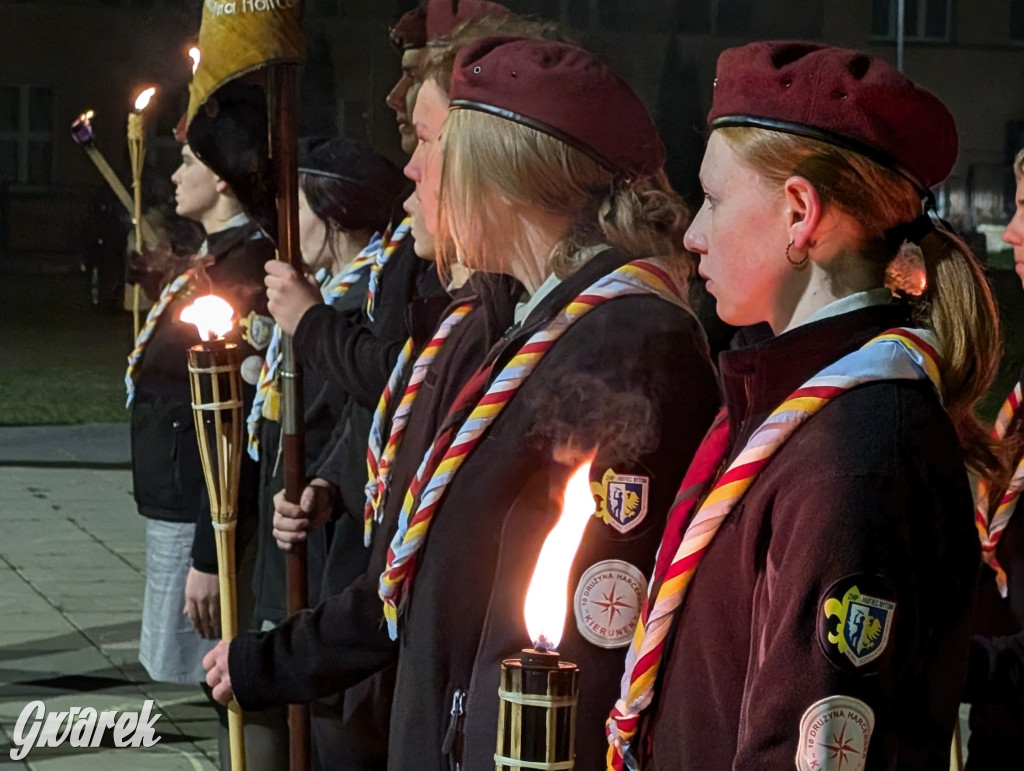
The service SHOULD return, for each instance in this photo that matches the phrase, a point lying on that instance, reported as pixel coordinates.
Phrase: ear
(222, 187)
(803, 208)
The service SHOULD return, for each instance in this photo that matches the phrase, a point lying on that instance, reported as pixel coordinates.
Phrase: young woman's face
(740, 234)
(1014, 233)
(424, 167)
(195, 187)
(312, 235)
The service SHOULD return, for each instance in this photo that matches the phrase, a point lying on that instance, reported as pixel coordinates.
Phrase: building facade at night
(61, 57)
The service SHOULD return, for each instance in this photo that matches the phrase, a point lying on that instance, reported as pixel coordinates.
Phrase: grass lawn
(61, 361)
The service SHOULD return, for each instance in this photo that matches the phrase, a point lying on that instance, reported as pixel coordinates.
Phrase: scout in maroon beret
(551, 175)
(430, 22)
(812, 596)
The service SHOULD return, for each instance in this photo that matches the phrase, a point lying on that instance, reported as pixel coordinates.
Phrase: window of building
(923, 20)
(26, 134)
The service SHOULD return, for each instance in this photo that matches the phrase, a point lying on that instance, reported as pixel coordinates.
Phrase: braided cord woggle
(899, 354)
(267, 402)
(167, 296)
(390, 242)
(991, 529)
(381, 455)
(442, 460)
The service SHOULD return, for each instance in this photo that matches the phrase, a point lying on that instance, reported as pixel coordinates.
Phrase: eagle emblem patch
(856, 624)
(257, 330)
(621, 499)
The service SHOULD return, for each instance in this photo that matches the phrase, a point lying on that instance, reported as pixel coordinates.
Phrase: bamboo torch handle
(225, 537)
(149, 237)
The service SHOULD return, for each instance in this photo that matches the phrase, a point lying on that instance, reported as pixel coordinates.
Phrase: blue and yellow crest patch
(257, 330)
(856, 624)
(621, 499)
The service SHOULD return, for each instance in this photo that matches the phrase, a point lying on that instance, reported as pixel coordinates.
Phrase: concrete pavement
(72, 562)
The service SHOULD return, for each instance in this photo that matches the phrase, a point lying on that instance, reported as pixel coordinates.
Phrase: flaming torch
(82, 134)
(137, 151)
(214, 372)
(538, 691)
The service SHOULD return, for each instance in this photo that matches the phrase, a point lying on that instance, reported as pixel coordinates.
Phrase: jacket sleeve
(862, 587)
(348, 352)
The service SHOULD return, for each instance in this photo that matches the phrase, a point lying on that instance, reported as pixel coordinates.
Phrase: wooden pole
(284, 151)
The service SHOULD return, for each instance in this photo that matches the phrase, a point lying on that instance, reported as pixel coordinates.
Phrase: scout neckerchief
(380, 455)
(390, 242)
(267, 403)
(898, 354)
(991, 528)
(454, 444)
(167, 296)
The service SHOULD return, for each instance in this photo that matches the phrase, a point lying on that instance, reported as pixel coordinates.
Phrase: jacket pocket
(166, 469)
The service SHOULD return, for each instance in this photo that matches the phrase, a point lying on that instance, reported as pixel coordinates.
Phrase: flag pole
(281, 87)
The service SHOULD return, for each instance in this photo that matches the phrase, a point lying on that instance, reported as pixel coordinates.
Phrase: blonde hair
(958, 306)
(494, 167)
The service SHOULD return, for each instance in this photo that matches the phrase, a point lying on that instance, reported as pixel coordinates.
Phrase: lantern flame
(193, 52)
(142, 101)
(211, 315)
(546, 603)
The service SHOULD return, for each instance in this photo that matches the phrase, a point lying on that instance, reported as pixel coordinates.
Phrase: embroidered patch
(621, 499)
(250, 369)
(608, 601)
(856, 617)
(834, 735)
(257, 330)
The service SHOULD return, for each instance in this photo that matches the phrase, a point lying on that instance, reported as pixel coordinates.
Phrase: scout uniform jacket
(828, 621)
(167, 474)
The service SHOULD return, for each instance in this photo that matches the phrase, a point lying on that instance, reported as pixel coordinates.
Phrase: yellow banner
(239, 36)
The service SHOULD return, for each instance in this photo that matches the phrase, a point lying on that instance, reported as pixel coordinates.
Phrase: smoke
(581, 413)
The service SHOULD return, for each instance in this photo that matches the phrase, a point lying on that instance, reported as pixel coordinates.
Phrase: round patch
(856, 616)
(608, 601)
(250, 369)
(834, 735)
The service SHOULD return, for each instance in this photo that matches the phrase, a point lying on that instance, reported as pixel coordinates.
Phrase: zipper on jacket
(452, 747)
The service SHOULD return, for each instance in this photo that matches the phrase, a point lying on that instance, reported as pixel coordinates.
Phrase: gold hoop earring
(796, 263)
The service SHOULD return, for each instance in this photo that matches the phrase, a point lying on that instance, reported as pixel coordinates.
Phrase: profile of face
(740, 233)
(196, 187)
(424, 243)
(424, 167)
(312, 235)
(1014, 233)
(402, 96)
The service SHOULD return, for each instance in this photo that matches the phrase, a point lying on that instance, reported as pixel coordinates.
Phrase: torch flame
(546, 598)
(193, 52)
(142, 102)
(211, 316)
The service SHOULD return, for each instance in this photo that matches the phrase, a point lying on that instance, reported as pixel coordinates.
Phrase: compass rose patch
(834, 735)
(621, 499)
(608, 601)
(856, 621)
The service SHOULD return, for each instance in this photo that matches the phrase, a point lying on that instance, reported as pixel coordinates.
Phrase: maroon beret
(410, 31)
(839, 96)
(563, 91)
(445, 15)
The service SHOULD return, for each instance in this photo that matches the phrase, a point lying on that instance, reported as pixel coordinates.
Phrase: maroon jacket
(871, 493)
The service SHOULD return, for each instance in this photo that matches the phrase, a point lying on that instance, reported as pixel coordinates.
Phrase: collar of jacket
(600, 265)
(756, 378)
(223, 241)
